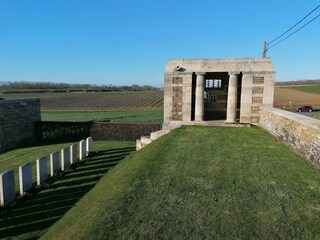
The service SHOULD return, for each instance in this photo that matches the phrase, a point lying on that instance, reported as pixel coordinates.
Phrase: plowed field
(283, 97)
(144, 100)
(139, 100)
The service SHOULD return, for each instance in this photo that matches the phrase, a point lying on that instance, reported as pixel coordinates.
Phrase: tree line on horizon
(73, 86)
(299, 82)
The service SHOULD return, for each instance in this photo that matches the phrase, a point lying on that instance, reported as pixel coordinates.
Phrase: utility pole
(264, 53)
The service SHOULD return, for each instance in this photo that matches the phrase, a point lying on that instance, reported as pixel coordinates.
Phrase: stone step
(157, 134)
(146, 140)
(138, 144)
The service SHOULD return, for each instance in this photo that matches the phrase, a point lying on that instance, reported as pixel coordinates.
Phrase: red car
(304, 109)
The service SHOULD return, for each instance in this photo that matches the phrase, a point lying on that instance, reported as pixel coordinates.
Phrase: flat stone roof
(221, 65)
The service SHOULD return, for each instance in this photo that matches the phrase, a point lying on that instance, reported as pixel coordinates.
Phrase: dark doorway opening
(216, 95)
(193, 100)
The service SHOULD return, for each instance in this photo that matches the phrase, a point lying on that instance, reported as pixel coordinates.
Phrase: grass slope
(113, 116)
(202, 183)
(32, 216)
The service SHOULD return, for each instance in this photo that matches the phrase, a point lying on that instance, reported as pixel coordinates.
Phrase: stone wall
(17, 122)
(300, 132)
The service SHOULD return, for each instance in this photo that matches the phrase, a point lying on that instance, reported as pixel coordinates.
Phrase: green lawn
(30, 219)
(113, 116)
(201, 183)
(306, 88)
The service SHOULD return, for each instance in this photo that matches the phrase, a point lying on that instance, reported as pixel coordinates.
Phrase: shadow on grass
(39, 211)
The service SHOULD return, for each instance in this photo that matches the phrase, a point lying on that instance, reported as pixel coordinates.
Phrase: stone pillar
(246, 107)
(199, 108)
(232, 97)
(187, 98)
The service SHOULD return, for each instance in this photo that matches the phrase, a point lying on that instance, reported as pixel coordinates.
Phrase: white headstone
(54, 163)
(89, 146)
(82, 150)
(73, 153)
(65, 158)
(7, 188)
(42, 170)
(25, 177)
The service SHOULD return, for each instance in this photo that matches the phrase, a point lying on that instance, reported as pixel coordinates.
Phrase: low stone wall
(17, 122)
(300, 132)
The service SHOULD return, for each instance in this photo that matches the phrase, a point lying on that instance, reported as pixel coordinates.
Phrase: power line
(294, 25)
(293, 32)
(266, 45)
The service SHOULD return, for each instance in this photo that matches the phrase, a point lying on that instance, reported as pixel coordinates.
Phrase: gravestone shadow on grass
(41, 210)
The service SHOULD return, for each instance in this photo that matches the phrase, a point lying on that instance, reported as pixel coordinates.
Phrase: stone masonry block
(176, 117)
(258, 80)
(255, 119)
(177, 99)
(177, 108)
(257, 90)
(255, 109)
(257, 100)
(177, 90)
(177, 80)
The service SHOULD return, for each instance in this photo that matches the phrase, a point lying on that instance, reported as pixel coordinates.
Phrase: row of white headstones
(69, 156)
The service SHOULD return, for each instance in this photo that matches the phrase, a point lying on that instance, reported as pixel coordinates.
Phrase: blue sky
(129, 42)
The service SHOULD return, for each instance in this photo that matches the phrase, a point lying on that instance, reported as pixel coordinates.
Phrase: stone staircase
(145, 140)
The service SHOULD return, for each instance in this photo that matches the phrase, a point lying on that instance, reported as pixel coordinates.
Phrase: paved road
(309, 114)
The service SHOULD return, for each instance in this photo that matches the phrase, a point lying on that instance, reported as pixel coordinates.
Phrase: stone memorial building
(198, 91)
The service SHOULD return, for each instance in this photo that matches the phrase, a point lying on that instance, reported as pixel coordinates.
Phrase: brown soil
(290, 98)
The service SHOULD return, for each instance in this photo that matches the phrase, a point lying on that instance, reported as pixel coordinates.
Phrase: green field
(202, 183)
(112, 116)
(306, 88)
(133, 106)
(30, 219)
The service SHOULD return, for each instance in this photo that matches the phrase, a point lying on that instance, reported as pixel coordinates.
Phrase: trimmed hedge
(110, 131)
(99, 131)
(60, 131)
